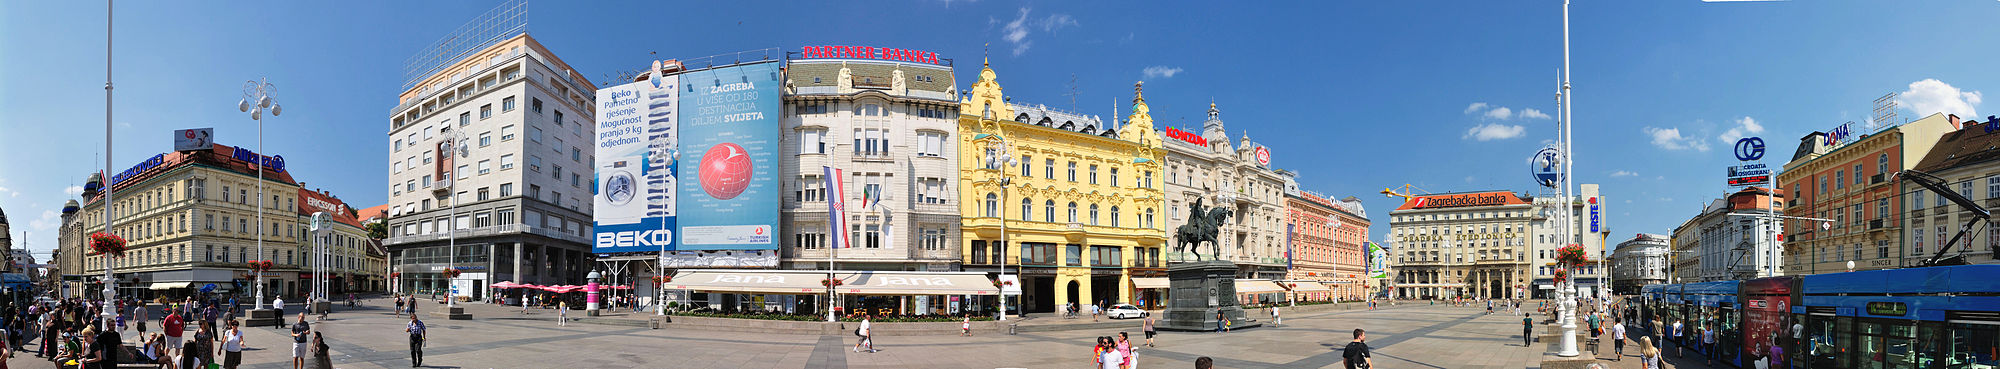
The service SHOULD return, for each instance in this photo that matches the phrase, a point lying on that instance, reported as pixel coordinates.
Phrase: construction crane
(1409, 192)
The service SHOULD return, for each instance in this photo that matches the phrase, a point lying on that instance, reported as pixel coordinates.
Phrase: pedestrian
(174, 326)
(232, 346)
(866, 342)
(1355, 355)
(1708, 342)
(1094, 309)
(1527, 329)
(965, 327)
(321, 358)
(1107, 353)
(139, 316)
(105, 349)
(301, 333)
(399, 306)
(1204, 363)
(1649, 356)
(1148, 329)
(278, 303)
(562, 314)
(1124, 346)
(1275, 319)
(1777, 354)
(1221, 322)
(1618, 339)
(1678, 340)
(417, 338)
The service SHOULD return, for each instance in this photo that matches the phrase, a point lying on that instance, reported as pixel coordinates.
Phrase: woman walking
(562, 314)
(1148, 329)
(232, 346)
(1649, 356)
(321, 359)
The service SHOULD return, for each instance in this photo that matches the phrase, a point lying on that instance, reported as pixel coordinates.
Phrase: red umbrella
(506, 285)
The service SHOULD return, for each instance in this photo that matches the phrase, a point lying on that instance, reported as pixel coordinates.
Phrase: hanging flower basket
(830, 282)
(1562, 275)
(260, 266)
(452, 273)
(1571, 254)
(396, 275)
(1002, 283)
(107, 244)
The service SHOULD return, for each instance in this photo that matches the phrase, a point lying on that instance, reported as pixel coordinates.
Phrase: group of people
(73, 336)
(1073, 311)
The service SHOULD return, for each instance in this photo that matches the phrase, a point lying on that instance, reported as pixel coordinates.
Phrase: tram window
(1973, 346)
(1870, 335)
(1843, 338)
(1897, 336)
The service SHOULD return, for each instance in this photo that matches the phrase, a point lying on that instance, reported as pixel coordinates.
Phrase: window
(575, 180)
(1840, 179)
(398, 146)
(1148, 183)
(535, 134)
(809, 240)
(1940, 237)
(979, 252)
(535, 163)
(1916, 240)
(507, 104)
(485, 166)
(812, 141)
(1093, 174)
(1964, 189)
(1857, 215)
(485, 111)
(1114, 216)
(1049, 211)
(427, 157)
(506, 189)
(535, 104)
(1093, 214)
(1072, 171)
(464, 119)
(1073, 255)
(1882, 209)
(1822, 184)
(575, 154)
(1027, 209)
(1882, 164)
(810, 188)
(1881, 248)
(1149, 218)
(506, 216)
(930, 143)
(869, 234)
(931, 191)
(555, 171)
(463, 171)
(1114, 177)
(485, 138)
(933, 239)
(534, 191)
(992, 205)
(871, 142)
(506, 133)
(482, 194)
(1049, 168)
(506, 162)
(1072, 212)
(426, 181)
(559, 118)
(804, 108)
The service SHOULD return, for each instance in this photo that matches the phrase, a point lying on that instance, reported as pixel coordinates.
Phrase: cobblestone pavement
(1406, 336)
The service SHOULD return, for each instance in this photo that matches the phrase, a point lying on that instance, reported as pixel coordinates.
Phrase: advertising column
(730, 137)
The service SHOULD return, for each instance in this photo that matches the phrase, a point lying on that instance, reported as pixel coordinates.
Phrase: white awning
(169, 285)
(1257, 286)
(1149, 282)
(744, 281)
(915, 283)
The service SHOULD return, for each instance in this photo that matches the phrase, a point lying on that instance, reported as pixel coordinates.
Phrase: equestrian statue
(1203, 223)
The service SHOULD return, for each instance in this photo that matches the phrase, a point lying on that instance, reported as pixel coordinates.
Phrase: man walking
(1356, 354)
(300, 333)
(1618, 339)
(278, 303)
(174, 325)
(416, 330)
(1275, 319)
(1679, 344)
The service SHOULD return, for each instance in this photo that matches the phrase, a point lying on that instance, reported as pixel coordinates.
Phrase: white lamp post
(256, 99)
(455, 147)
(110, 316)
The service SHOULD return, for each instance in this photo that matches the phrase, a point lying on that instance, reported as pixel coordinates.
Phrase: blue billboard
(633, 190)
(728, 137)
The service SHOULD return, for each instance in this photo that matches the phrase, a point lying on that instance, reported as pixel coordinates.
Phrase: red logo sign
(1187, 137)
(1470, 199)
(866, 52)
(760, 230)
(1263, 157)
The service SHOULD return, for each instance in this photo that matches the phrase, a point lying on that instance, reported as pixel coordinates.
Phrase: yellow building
(1065, 202)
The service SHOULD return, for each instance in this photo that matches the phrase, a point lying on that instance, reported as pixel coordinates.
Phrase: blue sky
(1356, 96)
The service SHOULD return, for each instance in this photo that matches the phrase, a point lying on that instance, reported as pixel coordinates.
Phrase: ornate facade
(1236, 177)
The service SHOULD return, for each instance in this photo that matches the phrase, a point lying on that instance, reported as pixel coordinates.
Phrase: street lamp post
(256, 99)
(456, 147)
(1002, 157)
(1571, 231)
(110, 283)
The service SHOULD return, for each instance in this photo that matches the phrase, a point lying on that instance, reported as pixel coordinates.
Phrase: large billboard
(729, 130)
(633, 190)
(1378, 260)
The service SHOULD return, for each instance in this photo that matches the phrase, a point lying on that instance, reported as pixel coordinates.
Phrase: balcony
(1875, 225)
(441, 187)
(1074, 232)
(986, 227)
(1875, 179)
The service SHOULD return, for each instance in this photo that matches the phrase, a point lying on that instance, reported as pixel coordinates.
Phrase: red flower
(1571, 254)
(107, 244)
(830, 282)
(452, 273)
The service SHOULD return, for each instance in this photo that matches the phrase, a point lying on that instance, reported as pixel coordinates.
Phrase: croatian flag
(836, 213)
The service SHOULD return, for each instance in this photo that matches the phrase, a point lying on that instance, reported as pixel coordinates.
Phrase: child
(965, 327)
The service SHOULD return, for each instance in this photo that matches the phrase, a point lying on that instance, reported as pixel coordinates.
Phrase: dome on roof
(71, 207)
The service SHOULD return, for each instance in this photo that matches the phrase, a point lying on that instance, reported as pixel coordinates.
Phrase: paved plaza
(1405, 336)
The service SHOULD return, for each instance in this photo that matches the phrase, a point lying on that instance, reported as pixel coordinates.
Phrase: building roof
(219, 156)
(373, 212)
(314, 201)
(1042, 115)
(1974, 144)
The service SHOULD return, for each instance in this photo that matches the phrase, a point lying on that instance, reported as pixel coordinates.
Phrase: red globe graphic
(725, 171)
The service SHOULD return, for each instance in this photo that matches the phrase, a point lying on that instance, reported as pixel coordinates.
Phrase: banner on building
(633, 189)
(1378, 261)
(729, 136)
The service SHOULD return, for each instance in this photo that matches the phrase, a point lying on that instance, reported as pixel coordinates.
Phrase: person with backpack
(1355, 355)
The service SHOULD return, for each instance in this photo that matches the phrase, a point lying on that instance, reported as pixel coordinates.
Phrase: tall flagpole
(1573, 232)
(110, 283)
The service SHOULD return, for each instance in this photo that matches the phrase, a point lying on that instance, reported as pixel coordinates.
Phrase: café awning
(1149, 282)
(914, 283)
(169, 285)
(744, 281)
(1257, 286)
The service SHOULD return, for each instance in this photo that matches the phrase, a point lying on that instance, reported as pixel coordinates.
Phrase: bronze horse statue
(1203, 223)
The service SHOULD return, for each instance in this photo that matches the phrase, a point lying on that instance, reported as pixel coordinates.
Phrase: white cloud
(1161, 71)
(1469, 179)
(1623, 173)
(49, 220)
(1496, 112)
(1671, 139)
(1532, 113)
(1017, 31)
(1933, 96)
(1494, 131)
(1478, 106)
(1745, 126)
(1666, 199)
(1660, 178)
(10, 191)
(73, 190)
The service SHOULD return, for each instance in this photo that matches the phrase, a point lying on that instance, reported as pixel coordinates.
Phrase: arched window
(1114, 216)
(1072, 212)
(992, 205)
(1049, 211)
(1093, 214)
(1027, 209)
(1149, 218)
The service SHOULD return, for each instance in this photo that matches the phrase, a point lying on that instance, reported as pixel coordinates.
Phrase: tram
(1945, 317)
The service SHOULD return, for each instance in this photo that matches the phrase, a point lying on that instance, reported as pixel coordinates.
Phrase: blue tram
(1918, 318)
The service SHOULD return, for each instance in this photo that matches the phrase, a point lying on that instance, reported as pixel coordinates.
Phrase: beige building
(1848, 181)
(1235, 176)
(1467, 244)
(1965, 159)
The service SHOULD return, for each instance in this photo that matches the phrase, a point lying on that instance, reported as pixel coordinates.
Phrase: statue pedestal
(1197, 290)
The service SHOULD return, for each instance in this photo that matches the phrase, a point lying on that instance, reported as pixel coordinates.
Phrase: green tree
(378, 230)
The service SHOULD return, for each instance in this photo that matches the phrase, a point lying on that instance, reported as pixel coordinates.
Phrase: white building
(1549, 237)
(1639, 262)
(524, 205)
(1239, 178)
(889, 125)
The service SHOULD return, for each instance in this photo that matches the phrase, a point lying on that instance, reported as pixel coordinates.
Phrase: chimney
(1953, 118)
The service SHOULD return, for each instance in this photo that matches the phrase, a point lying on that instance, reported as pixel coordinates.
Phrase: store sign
(1188, 137)
(1840, 135)
(1594, 215)
(274, 163)
(1474, 199)
(142, 167)
(194, 139)
(1749, 149)
(1546, 167)
(868, 52)
(1263, 157)
(1749, 181)
(1458, 237)
(1749, 174)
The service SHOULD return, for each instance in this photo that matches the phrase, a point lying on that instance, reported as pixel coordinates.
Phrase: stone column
(519, 277)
